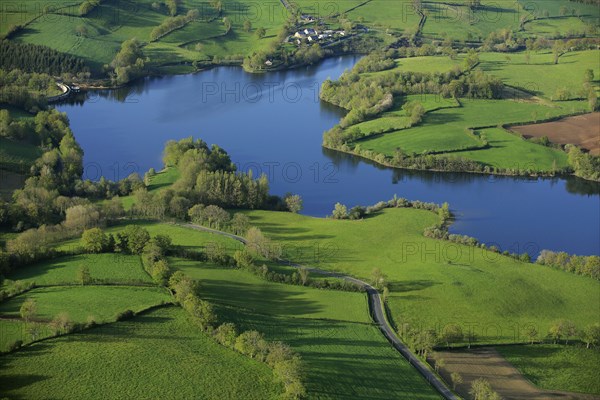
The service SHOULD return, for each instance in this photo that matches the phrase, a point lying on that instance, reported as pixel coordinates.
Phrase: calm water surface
(274, 124)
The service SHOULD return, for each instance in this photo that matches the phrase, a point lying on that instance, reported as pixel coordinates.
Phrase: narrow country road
(377, 313)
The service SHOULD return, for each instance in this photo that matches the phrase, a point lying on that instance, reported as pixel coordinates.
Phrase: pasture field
(455, 135)
(553, 27)
(114, 268)
(459, 22)
(447, 129)
(173, 359)
(12, 330)
(510, 151)
(424, 64)
(567, 74)
(345, 354)
(240, 289)
(344, 360)
(557, 367)
(434, 283)
(80, 302)
(113, 21)
(588, 12)
(397, 119)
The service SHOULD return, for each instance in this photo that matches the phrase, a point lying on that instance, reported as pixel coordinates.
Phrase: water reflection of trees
(581, 186)
(573, 185)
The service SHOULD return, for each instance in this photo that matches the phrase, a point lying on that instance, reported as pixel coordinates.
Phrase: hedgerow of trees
(173, 23)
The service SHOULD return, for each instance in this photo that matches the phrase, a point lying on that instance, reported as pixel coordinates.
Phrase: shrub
(17, 344)
(125, 315)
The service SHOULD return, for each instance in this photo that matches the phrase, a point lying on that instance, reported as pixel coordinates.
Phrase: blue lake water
(274, 123)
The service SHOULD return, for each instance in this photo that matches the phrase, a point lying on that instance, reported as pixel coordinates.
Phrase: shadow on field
(344, 360)
(410, 286)
(271, 298)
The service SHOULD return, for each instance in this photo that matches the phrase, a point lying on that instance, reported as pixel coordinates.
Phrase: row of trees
(287, 366)
(580, 265)
(423, 340)
(173, 23)
(375, 62)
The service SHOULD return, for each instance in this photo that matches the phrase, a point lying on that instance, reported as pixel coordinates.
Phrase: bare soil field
(505, 379)
(582, 130)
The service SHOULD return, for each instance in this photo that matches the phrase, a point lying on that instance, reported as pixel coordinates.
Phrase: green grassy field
(113, 22)
(160, 354)
(244, 290)
(397, 118)
(557, 367)
(506, 150)
(510, 151)
(345, 355)
(550, 27)
(12, 330)
(80, 302)
(459, 22)
(115, 268)
(424, 64)
(435, 283)
(588, 12)
(568, 73)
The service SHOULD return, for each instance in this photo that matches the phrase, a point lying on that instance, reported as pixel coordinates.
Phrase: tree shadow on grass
(13, 382)
(269, 298)
(410, 286)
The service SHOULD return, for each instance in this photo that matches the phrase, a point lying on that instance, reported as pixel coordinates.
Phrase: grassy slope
(244, 290)
(473, 113)
(396, 118)
(477, 287)
(116, 268)
(157, 355)
(445, 130)
(568, 73)
(460, 23)
(190, 239)
(589, 12)
(551, 26)
(558, 367)
(346, 357)
(80, 302)
(14, 330)
(113, 22)
(510, 151)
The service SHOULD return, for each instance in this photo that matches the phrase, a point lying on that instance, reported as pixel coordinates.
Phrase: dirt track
(582, 130)
(505, 379)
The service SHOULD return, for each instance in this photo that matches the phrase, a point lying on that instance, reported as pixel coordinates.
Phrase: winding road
(377, 313)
